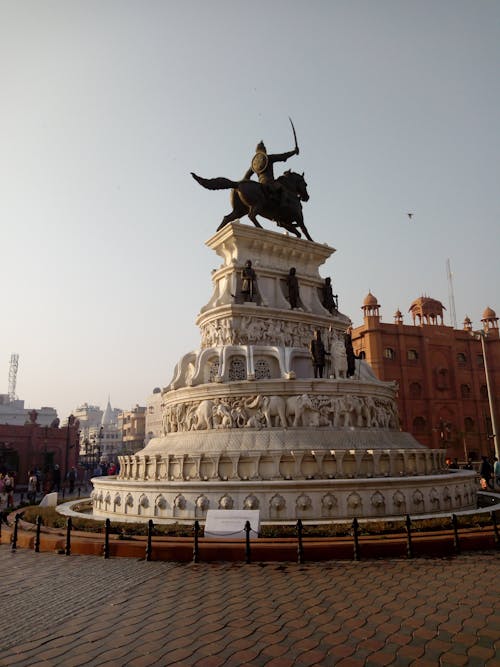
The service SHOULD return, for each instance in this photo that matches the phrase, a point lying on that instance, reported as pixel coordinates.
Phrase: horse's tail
(219, 183)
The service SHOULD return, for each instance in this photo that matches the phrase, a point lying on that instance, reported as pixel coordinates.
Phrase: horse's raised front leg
(230, 217)
(252, 214)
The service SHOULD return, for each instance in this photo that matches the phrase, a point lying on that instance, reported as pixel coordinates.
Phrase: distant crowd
(39, 482)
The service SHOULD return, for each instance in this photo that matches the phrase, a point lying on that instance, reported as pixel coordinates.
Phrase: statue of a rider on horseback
(275, 199)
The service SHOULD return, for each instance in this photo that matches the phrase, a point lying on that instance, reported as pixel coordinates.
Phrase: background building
(132, 424)
(441, 372)
(100, 435)
(13, 412)
(153, 416)
(32, 446)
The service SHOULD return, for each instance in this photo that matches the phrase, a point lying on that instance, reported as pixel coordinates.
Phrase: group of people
(48, 482)
(490, 472)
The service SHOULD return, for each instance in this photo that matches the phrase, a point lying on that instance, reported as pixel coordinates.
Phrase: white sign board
(49, 500)
(231, 523)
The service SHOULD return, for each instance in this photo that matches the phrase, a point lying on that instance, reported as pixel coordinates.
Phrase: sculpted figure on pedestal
(248, 281)
(293, 288)
(329, 300)
(318, 354)
(338, 358)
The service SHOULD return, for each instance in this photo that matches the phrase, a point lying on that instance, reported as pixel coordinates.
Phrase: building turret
(398, 317)
(427, 311)
(490, 322)
(370, 306)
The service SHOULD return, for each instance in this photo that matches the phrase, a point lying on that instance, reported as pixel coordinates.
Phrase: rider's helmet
(261, 148)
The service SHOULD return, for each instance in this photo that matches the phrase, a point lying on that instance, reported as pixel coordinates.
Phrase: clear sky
(108, 105)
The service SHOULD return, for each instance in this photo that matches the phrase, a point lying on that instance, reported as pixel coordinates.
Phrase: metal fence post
(247, 542)
(37, 534)
(14, 534)
(409, 544)
(355, 534)
(300, 546)
(69, 525)
(196, 551)
(107, 526)
(149, 546)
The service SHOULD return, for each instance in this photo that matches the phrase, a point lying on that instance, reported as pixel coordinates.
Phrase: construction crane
(14, 363)
(451, 295)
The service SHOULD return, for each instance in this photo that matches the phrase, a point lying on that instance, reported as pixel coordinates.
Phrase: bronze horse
(280, 202)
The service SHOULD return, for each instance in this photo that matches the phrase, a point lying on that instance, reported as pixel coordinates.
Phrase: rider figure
(262, 165)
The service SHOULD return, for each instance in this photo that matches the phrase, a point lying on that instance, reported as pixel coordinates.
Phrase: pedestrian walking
(8, 485)
(486, 472)
(32, 484)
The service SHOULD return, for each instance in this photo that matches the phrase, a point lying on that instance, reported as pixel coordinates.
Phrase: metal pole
(300, 546)
(37, 534)
(247, 542)
(107, 526)
(355, 534)
(482, 335)
(409, 545)
(67, 550)
(149, 546)
(14, 535)
(196, 552)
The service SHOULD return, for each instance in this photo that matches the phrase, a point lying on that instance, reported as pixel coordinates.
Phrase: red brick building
(23, 448)
(441, 372)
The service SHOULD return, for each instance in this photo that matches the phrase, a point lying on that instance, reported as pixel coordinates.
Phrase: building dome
(490, 320)
(489, 314)
(467, 323)
(370, 306)
(398, 317)
(370, 300)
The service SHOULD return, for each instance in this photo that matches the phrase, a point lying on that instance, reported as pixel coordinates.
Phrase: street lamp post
(482, 335)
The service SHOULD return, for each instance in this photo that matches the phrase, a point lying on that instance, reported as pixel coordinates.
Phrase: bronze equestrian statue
(275, 199)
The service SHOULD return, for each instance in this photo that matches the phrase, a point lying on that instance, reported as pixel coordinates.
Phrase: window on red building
(419, 424)
(415, 390)
(469, 424)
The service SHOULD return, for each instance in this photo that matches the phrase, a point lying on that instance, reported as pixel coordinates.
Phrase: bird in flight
(410, 215)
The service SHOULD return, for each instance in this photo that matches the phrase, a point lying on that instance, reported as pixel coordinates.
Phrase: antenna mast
(451, 295)
(14, 363)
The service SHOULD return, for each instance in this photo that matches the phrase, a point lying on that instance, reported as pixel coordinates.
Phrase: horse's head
(296, 183)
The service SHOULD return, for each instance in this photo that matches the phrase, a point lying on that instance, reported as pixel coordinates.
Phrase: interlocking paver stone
(132, 613)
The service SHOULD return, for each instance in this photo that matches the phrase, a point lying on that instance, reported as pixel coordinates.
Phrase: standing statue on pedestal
(293, 288)
(318, 354)
(351, 357)
(329, 300)
(275, 199)
(248, 281)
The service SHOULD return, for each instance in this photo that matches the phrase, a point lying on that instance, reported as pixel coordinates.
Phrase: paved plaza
(84, 610)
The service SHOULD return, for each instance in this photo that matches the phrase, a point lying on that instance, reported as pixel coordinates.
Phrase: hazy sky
(108, 105)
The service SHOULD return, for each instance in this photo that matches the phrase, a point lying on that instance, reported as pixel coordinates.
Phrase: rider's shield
(260, 162)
